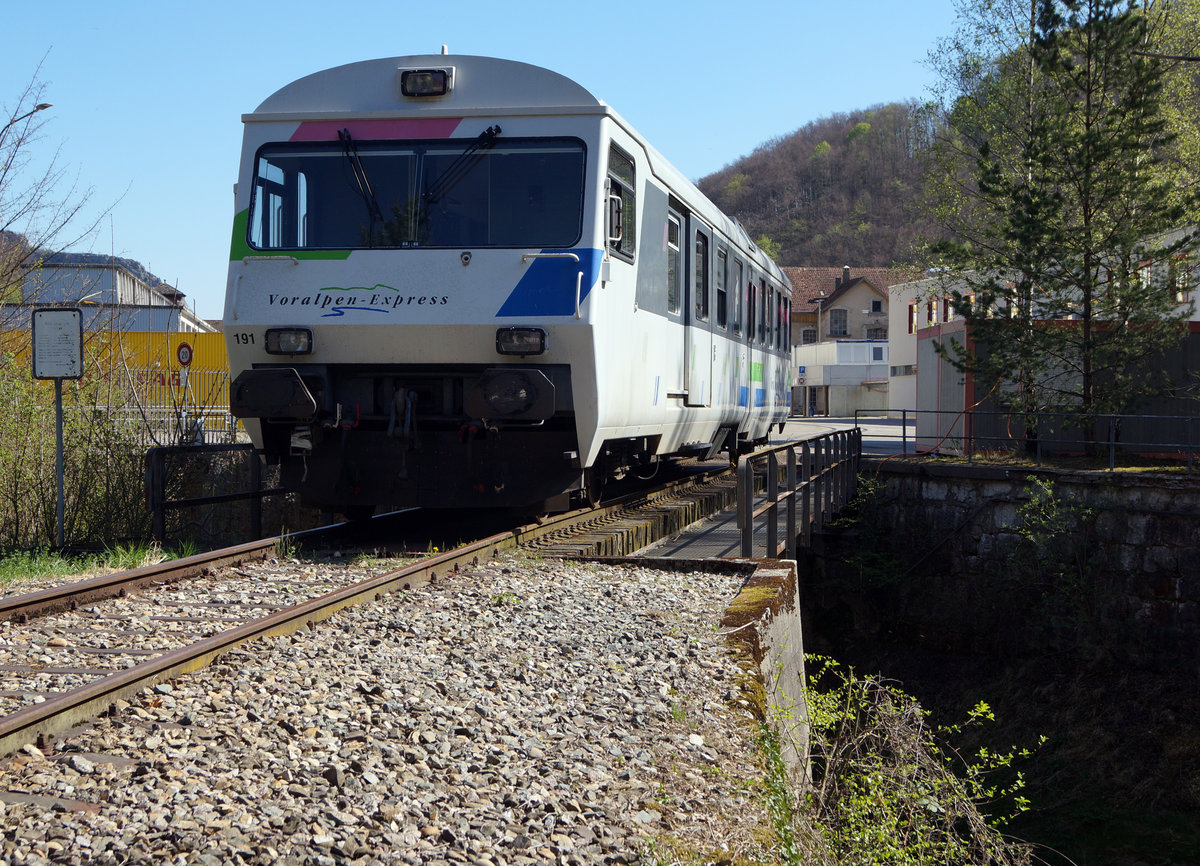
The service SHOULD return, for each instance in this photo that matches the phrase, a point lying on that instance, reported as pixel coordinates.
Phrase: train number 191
(244, 338)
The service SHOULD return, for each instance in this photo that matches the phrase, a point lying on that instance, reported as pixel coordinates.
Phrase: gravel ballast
(524, 711)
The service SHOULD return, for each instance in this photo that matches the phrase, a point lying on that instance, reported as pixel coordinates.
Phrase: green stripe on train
(239, 249)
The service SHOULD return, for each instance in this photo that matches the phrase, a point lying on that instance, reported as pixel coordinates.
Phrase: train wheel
(593, 486)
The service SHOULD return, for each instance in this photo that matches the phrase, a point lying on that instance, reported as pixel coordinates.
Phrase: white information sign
(58, 343)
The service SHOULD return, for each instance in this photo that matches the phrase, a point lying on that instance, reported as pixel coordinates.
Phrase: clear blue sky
(148, 96)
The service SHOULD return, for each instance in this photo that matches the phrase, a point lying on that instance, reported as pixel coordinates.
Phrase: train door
(698, 320)
(676, 305)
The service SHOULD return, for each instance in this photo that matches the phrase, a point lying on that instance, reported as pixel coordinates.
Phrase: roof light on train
(426, 82)
(289, 341)
(520, 341)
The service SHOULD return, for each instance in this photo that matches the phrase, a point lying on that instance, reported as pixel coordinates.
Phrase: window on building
(837, 323)
(912, 317)
(876, 353)
(876, 306)
(807, 336)
(1180, 279)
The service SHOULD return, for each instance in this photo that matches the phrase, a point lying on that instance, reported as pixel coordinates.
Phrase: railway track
(69, 653)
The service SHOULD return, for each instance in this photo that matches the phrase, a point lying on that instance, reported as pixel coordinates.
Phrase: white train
(466, 282)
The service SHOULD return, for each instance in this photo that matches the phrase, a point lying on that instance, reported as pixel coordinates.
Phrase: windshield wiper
(361, 181)
(461, 166)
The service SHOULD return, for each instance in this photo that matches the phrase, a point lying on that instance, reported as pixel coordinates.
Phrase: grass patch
(21, 565)
(1124, 463)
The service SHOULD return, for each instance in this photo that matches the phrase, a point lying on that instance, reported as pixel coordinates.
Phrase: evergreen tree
(1064, 225)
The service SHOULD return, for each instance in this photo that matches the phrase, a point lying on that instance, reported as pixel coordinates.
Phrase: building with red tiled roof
(817, 290)
(839, 337)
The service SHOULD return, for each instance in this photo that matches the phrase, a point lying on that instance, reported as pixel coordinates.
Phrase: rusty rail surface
(65, 710)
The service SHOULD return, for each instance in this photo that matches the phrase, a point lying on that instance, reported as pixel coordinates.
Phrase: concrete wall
(763, 626)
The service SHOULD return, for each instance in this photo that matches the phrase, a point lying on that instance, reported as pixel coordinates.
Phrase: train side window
(773, 325)
(701, 285)
(674, 262)
(787, 323)
(739, 277)
(751, 309)
(273, 219)
(720, 276)
(778, 319)
(762, 311)
(622, 204)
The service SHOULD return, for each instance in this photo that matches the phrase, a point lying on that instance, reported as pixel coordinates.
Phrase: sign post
(58, 355)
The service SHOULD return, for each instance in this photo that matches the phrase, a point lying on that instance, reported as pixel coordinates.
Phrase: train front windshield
(418, 194)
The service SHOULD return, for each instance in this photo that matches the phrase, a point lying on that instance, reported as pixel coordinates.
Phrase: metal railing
(975, 433)
(159, 503)
(803, 483)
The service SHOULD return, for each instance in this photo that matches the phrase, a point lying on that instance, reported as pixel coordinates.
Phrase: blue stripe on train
(548, 286)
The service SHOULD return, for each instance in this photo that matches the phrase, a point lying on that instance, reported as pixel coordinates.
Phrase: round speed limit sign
(184, 354)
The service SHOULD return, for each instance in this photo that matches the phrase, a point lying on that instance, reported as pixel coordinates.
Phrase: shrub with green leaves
(102, 462)
(889, 789)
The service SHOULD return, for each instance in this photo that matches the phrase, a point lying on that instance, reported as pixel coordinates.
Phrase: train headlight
(520, 341)
(510, 394)
(289, 341)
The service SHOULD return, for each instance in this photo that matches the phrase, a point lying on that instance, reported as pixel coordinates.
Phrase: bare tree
(41, 206)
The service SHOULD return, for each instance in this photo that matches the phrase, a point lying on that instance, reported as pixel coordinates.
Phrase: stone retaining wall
(963, 519)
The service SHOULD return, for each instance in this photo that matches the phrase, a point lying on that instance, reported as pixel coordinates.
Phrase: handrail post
(155, 496)
(827, 470)
(772, 505)
(856, 463)
(843, 468)
(1188, 425)
(791, 503)
(818, 475)
(745, 505)
(839, 472)
(969, 434)
(256, 509)
(806, 486)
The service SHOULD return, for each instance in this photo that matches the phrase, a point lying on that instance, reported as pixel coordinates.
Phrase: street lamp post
(41, 106)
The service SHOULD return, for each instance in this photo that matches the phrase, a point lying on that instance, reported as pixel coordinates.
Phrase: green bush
(888, 789)
(104, 502)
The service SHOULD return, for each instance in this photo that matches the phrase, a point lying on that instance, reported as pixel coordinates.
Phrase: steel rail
(70, 595)
(64, 711)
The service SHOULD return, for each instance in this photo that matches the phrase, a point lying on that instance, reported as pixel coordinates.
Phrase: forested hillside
(838, 191)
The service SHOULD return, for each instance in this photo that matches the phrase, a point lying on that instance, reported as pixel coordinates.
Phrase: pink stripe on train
(376, 130)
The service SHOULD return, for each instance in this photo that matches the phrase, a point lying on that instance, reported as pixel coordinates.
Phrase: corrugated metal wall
(175, 401)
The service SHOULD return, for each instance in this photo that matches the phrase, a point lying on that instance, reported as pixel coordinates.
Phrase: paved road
(881, 436)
